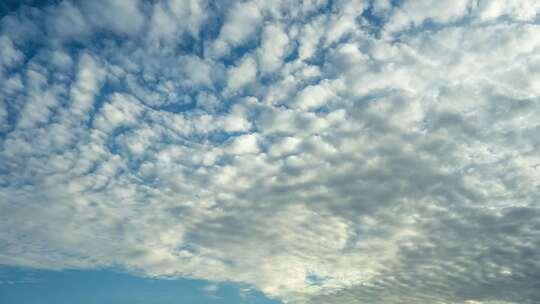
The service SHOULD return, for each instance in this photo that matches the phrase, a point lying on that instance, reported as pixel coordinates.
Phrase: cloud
(519, 10)
(273, 48)
(120, 17)
(245, 144)
(242, 21)
(321, 152)
(414, 13)
(67, 21)
(11, 56)
(314, 96)
(242, 74)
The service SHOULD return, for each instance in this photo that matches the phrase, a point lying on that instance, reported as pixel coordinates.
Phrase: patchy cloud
(319, 151)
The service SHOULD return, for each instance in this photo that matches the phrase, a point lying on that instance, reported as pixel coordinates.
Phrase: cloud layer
(321, 151)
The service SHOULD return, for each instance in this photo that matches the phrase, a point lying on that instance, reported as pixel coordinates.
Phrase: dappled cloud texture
(319, 151)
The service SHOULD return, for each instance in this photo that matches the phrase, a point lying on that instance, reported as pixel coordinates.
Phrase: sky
(296, 152)
(26, 286)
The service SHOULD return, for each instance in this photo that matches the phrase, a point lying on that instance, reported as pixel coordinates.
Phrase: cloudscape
(317, 151)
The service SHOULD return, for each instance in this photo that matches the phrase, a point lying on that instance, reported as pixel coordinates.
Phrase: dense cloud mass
(362, 151)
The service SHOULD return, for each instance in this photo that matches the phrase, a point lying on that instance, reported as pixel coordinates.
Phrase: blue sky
(308, 152)
(27, 286)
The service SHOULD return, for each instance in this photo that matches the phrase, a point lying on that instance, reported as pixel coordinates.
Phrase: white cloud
(10, 55)
(3, 116)
(521, 10)
(310, 36)
(121, 110)
(236, 121)
(391, 159)
(89, 78)
(173, 18)
(286, 145)
(67, 21)
(345, 22)
(413, 13)
(314, 96)
(118, 16)
(273, 48)
(244, 144)
(241, 22)
(242, 74)
(198, 71)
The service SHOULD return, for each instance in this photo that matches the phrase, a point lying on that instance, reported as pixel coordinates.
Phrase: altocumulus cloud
(321, 151)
